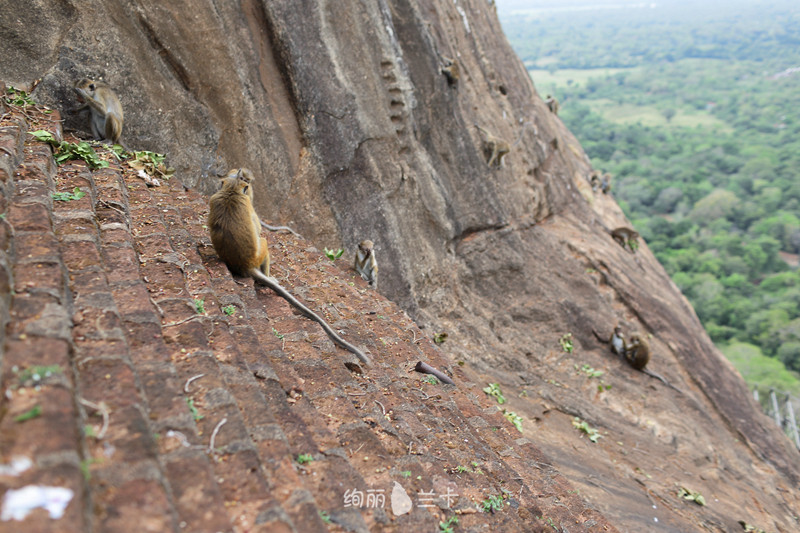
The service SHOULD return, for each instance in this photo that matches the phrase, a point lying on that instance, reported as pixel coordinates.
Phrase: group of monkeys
(235, 228)
(636, 351)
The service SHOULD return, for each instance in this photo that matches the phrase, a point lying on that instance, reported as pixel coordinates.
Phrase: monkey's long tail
(278, 228)
(658, 376)
(601, 339)
(273, 284)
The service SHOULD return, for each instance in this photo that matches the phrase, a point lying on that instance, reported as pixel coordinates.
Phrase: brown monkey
(552, 104)
(451, 71)
(236, 235)
(626, 237)
(105, 110)
(366, 264)
(637, 353)
(496, 148)
(605, 183)
(594, 180)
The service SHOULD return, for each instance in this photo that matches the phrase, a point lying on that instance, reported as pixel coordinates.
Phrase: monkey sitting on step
(366, 264)
(105, 110)
(236, 235)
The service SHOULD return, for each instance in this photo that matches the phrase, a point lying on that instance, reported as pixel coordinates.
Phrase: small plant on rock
(582, 425)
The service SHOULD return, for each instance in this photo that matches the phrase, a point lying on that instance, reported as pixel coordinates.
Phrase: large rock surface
(342, 110)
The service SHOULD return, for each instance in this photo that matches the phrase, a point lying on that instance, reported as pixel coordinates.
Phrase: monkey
(235, 231)
(451, 71)
(105, 110)
(366, 264)
(626, 236)
(616, 341)
(637, 353)
(552, 104)
(605, 183)
(594, 180)
(497, 148)
(601, 181)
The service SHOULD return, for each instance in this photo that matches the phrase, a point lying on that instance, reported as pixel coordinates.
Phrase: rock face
(343, 111)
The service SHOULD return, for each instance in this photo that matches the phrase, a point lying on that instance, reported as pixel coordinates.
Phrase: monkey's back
(638, 352)
(230, 224)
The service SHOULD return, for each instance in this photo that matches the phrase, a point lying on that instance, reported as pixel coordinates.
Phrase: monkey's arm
(273, 284)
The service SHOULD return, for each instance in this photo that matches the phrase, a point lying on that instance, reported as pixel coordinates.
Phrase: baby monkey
(105, 110)
(365, 264)
(616, 341)
(236, 235)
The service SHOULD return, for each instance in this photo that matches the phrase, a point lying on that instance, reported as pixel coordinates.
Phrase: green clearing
(760, 371)
(554, 82)
(568, 77)
(651, 116)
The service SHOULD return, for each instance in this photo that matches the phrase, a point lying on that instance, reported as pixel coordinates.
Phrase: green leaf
(28, 415)
(76, 194)
(43, 135)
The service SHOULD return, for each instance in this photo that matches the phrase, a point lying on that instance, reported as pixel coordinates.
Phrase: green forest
(694, 108)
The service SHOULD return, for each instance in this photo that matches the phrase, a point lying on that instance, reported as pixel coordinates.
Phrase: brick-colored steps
(105, 289)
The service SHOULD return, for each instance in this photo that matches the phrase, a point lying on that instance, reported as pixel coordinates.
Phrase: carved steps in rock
(208, 409)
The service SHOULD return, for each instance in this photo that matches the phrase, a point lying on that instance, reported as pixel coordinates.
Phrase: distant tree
(668, 113)
(789, 354)
(718, 204)
(667, 199)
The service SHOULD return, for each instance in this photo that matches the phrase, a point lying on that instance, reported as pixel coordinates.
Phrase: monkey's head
(366, 247)
(637, 340)
(618, 331)
(85, 88)
(240, 179)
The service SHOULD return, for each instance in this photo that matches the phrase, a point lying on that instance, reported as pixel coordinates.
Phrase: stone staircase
(173, 397)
